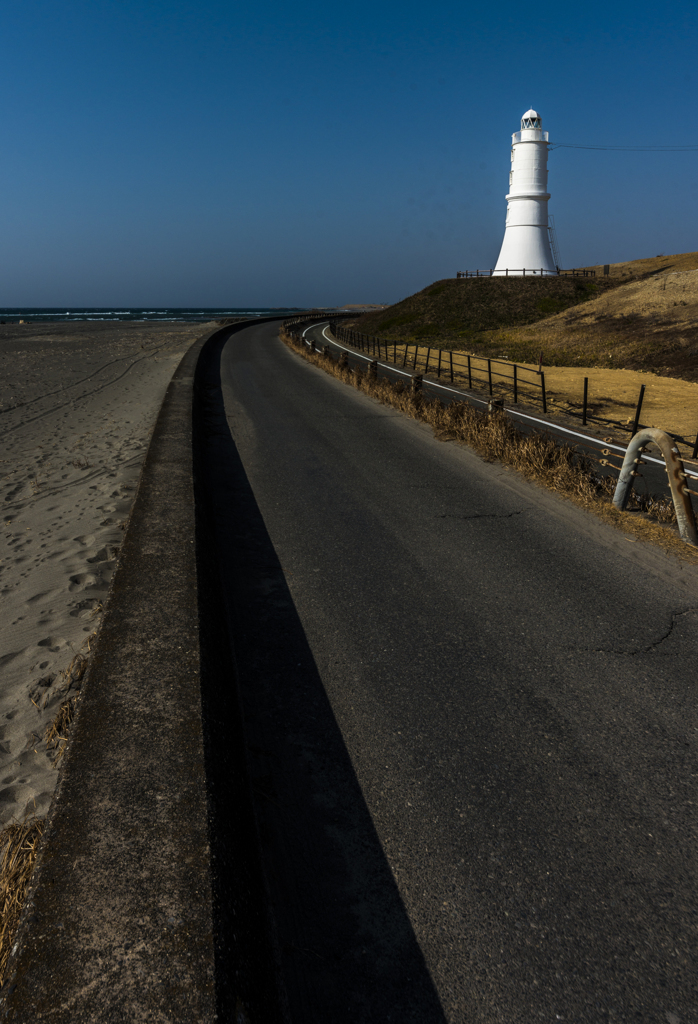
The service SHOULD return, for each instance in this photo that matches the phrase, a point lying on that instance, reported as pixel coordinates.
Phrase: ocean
(193, 314)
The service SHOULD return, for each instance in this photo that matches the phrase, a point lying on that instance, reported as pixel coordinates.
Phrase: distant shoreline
(159, 314)
(151, 314)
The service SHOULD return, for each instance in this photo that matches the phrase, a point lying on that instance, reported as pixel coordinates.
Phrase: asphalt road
(470, 715)
(652, 479)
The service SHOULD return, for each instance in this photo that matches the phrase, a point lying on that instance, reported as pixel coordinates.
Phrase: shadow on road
(336, 944)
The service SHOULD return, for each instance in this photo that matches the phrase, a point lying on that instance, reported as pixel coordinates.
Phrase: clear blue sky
(212, 153)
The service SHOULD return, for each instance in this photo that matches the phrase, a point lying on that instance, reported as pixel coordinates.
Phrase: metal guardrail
(604, 451)
(680, 491)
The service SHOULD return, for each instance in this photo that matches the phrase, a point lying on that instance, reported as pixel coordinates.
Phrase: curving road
(470, 715)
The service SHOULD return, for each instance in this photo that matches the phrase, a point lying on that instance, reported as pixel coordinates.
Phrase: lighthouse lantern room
(526, 246)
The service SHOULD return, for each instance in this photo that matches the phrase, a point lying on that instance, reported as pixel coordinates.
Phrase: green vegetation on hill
(643, 315)
(452, 313)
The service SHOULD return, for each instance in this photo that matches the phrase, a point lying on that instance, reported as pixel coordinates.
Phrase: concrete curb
(118, 924)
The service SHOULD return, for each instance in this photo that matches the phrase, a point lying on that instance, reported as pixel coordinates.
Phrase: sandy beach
(77, 405)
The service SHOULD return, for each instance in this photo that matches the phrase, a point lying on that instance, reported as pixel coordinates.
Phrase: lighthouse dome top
(531, 119)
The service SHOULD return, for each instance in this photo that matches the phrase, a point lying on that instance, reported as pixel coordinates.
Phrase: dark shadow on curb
(338, 945)
(247, 975)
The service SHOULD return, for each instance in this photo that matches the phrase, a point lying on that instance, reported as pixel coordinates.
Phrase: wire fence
(501, 378)
(501, 381)
(606, 453)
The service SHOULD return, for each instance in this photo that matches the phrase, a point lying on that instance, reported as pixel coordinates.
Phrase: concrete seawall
(124, 918)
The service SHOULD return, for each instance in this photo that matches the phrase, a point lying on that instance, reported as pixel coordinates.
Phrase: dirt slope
(649, 324)
(642, 316)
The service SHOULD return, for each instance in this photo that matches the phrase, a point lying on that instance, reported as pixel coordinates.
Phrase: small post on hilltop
(584, 403)
(636, 424)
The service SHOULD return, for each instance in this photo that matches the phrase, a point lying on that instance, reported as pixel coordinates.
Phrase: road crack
(655, 643)
(670, 630)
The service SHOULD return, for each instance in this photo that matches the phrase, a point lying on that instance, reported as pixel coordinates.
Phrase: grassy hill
(455, 311)
(644, 315)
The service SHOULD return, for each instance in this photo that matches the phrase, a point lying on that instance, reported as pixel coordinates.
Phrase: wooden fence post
(584, 402)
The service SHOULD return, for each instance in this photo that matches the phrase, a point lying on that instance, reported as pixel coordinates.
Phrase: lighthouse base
(526, 245)
(525, 250)
(524, 272)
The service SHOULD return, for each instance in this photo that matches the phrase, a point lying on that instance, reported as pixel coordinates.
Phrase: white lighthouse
(526, 245)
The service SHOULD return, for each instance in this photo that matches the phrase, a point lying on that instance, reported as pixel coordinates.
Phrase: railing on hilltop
(523, 271)
(500, 377)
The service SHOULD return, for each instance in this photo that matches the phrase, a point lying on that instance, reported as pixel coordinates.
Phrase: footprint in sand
(105, 554)
(54, 643)
(81, 580)
(5, 659)
(9, 794)
(84, 609)
(17, 490)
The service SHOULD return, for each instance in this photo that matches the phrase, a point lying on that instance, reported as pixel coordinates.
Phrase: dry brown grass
(19, 845)
(558, 467)
(57, 733)
(646, 324)
(492, 435)
(669, 404)
(648, 265)
(19, 841)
